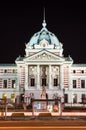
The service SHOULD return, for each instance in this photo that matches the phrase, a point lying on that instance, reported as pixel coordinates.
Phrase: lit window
(74, 98)
(13, 83)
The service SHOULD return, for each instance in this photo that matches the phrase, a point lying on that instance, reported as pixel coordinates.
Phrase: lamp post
(64, 94)
(61, 104)
(5, 101)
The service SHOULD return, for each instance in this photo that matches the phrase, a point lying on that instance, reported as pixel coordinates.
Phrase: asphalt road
(43, 123)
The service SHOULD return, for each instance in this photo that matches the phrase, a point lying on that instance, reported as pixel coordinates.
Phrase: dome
(44, 34)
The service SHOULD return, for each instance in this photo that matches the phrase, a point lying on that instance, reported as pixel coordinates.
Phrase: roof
(44, 34)
(79, 65)
(6, 65)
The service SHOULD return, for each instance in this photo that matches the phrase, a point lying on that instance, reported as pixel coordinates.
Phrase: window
(82, 71)
(82, 83)
(74, 83)
(14, 71)
(44, 81)
(32, 82)
(5, 84)
(55, 82)
(74, 71)
(22, 97)
(13, 83)
(65, 98)
(83, 98)
(74, 98)
(5, 71)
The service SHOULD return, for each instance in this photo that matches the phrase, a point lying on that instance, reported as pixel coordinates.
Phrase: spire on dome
(44, 34)
(44, 22)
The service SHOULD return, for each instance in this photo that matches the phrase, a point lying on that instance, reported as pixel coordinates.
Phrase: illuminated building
(44, 64)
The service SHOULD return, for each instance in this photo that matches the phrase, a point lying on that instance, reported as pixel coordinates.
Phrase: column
(18, 81)
(61, 77)
(70, 79)
(50, 81)
(38, 77)
(26, 77)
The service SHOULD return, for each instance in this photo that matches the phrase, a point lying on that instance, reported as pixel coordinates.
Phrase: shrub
(74, 108)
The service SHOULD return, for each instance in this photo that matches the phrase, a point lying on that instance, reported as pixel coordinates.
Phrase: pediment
(44, 56)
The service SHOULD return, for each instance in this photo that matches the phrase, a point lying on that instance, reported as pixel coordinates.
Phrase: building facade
(43, 64)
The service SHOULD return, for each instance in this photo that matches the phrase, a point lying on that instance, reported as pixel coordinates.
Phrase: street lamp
(13, 97)
(61, 104)
(64, 93)
(5, 101)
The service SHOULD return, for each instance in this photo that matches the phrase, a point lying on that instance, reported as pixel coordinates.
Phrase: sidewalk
(52, 113)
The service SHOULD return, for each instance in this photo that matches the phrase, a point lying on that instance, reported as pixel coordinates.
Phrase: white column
(50, 81)
(38, 77)
(70, 79)
(61, 77)
(26, 77)
(18, 80)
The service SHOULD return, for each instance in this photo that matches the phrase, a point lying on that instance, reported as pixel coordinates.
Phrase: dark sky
(19, 21)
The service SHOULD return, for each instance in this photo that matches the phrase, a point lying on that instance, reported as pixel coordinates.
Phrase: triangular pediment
(44, 55)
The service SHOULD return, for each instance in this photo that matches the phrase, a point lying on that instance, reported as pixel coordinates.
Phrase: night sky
(19, 21)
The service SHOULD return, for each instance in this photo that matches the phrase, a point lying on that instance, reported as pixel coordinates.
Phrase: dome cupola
(44, 34)
(44, 39)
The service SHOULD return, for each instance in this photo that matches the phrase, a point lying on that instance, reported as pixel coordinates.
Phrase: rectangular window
(13, 83)
(65, 98)
(14, 71)
(83, 98)
(82, 71)
(74, 83)
(74, 71)
(74, 98)
(32, 82)
(44, 82)
(5, 83)
(5, 71)
(82, 83)
(55, 82)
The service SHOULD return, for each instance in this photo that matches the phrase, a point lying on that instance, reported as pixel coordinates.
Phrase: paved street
(42, 123)
(50, 123)
(35, 124)
(43, 128)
